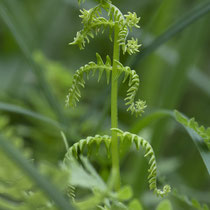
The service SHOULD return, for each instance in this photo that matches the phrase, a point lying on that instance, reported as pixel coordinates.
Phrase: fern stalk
(114, 110)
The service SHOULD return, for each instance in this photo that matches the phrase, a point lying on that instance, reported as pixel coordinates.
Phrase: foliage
(36, 69)
(191, 123)
(17, 191)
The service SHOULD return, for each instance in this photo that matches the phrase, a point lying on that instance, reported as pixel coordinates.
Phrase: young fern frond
(97, 140)
(78, 80)
(92, 25)
(138, 106)
(79, 146)
(152, 177)
(93, 21)
(83, 36)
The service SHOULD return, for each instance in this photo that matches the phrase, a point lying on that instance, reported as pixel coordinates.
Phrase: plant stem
(114, 112)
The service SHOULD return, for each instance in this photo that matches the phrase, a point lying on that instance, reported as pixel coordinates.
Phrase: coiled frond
(132, 20)
(132, 46)
(93, 23)
(88, 142)
(152, 177)
(78, 80)
(136, 107)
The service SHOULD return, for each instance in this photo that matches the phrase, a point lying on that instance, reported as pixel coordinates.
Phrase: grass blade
(32, 172)
(200, 80)
(198, 12)
(19, 110)
(148, 119)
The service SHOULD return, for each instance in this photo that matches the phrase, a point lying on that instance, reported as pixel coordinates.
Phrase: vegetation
(39, 170)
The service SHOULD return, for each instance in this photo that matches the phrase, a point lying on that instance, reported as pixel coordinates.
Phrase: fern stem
(114, 111)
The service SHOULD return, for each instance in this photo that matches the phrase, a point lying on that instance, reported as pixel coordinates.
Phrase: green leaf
(149, 118)
(125, 193)
(164, 205)
(85, 177)
(19, 110)
(135, 205)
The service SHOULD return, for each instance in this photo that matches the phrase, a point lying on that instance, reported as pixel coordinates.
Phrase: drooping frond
(138, 106)
(191, 123)
(140, 142)
(88, 142)
(97, 140)
(78, 80)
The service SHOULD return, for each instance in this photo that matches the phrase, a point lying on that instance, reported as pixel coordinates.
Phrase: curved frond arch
(78, 80)
(88, 142)
(140, 142)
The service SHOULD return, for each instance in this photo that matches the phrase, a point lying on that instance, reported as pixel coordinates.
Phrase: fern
(138, 106)
(119, 26)
(78, 80)
(79, 147)
(191, 123)
(152, 177)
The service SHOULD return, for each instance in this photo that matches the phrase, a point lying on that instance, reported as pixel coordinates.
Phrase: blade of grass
(19, 110)
(149, 118)
(198, 12)
(8, 20)
(200, 80)
(51, 191)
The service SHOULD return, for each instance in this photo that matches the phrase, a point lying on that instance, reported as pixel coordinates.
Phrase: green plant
(119, 25)
(76, 178)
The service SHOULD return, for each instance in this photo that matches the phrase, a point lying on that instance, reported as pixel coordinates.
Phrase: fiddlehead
(140, 142)
(78, 80)
(138, 106)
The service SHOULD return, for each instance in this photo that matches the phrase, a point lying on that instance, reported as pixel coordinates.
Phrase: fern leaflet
(74, 92)
(138, 106)
(152, 177)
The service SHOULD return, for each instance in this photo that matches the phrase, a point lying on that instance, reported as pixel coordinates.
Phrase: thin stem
(114, 112)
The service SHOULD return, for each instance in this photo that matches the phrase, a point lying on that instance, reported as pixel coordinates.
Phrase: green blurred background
(36, 69)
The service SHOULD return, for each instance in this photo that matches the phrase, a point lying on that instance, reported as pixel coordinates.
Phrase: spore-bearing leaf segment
(119, 26)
